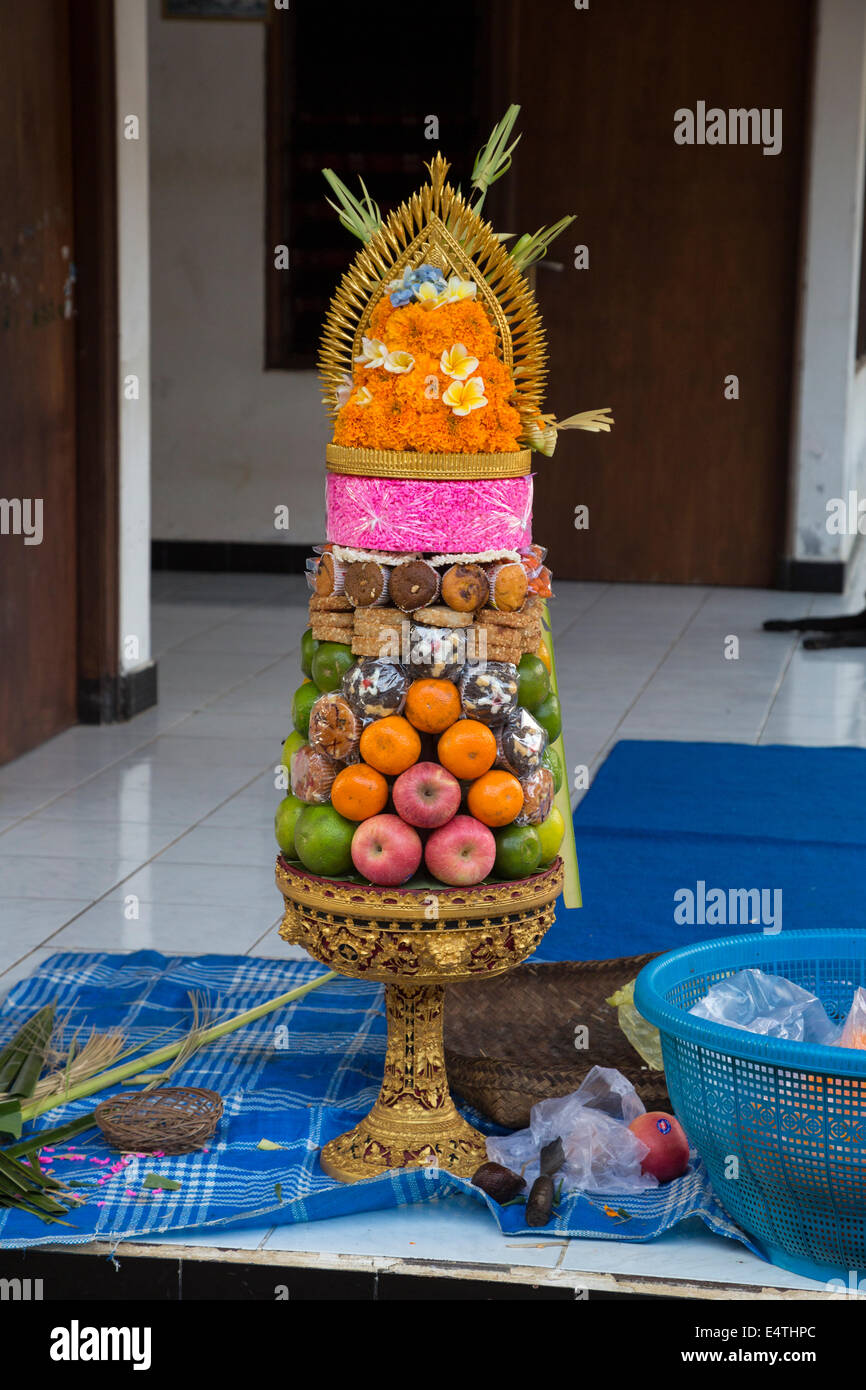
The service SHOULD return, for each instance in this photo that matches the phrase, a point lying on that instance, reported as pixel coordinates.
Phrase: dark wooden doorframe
(94, 135)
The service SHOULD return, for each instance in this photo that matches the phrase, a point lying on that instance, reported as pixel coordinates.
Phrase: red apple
(386, 850)
(460, 852)
(666, 1140)
(427, 795)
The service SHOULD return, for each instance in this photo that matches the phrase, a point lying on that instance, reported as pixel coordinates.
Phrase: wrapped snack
(366, 583)
(465, 588)
(437, 652)
(521, 743)
(330, 576)
(508, 586)
(488, 691)
(335, 728)
(538, 789)
(414, 584)
(312, 774)
(375, 688)
(540, 583)
(532, 558)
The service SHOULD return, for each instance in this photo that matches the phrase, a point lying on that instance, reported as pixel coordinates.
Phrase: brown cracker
(439, 616)
(330, 603)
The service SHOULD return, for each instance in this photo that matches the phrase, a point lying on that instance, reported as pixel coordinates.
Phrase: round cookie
(414, 585)
(508, 586)
(465, 588)
(366, 583)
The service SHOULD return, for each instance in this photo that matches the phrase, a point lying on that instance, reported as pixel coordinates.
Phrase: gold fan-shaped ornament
(436, 227)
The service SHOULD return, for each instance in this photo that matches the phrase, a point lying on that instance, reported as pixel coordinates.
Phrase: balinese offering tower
(429, 792)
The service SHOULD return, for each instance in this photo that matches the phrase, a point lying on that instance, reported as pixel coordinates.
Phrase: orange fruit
(467, 749)
(432, 705)
(496, 798)
(390, 745)
(359, 792)
(544, 655)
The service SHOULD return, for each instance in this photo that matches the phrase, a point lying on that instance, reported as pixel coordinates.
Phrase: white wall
(130, 37)
(230, 440)
(829, 455)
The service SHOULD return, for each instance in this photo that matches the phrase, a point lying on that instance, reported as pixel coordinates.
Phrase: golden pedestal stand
(415, 941)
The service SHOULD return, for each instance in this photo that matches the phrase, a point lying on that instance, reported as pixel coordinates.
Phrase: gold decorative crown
(438, 227)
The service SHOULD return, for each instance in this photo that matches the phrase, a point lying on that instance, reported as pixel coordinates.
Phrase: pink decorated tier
(409, 515)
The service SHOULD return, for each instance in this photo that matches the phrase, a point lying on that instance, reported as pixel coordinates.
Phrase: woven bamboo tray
(510, 1042)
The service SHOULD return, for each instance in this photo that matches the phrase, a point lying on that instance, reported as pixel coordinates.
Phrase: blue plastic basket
(781, 1126)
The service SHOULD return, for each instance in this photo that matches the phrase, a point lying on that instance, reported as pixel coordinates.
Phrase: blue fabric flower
(403, 291)
(429, 274)
(402, 296)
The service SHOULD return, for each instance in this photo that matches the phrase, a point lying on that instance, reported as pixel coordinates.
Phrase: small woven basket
(510, 1041)
(176, 1120)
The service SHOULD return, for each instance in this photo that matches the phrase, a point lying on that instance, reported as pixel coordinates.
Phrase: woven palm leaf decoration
(436, 226)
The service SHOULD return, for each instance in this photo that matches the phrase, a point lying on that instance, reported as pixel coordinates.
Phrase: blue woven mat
(297, 1078)
(664, 816)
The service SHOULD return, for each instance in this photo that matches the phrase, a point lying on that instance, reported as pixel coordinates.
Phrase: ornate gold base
(414, 942)
(370, 1149)
(414, 1122)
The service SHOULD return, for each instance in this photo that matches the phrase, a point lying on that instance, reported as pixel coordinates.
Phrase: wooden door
(693, 267)
(37, 379)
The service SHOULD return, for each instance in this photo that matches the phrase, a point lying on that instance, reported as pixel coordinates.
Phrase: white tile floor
(173, 812)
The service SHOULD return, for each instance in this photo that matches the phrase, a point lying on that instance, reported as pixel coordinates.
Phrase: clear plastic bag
(601, 1153)
(376, 688)
(488, 691)
(335, 729)
(437, 653)
(312, 775)
(538, 791)
(854, 1027)
(644, 1038)
(521, 743)
(770, 1005)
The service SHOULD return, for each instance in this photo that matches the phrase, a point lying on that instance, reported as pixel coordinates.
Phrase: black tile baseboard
(113, 699)
(229, 557)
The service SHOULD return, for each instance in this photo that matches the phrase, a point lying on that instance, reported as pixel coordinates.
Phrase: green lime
(549, 716)
(303, 700)
(553, 761)
(323, 840)
(284, 824)
(308, 650)
(331, 661)
(550, 833)
(518, 851)
(291, 745)
(533, 682)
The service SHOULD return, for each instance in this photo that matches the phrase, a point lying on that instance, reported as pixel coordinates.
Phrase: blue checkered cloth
(297, 1078)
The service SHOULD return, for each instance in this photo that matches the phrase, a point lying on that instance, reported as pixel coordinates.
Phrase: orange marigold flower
(403, 413)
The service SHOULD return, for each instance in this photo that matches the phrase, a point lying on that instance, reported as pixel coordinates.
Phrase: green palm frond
(360, 216)
(532, 246)
(24, 1185)
(23, 1057)
(494, 158)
